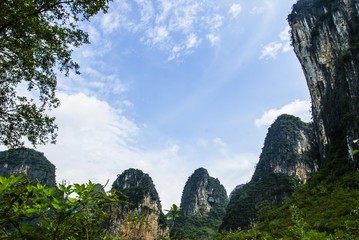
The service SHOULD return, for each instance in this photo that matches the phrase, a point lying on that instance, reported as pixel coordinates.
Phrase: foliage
(172, 215)
(30, 211)
(197, 180)
(243, 208)
(305, 4)
(135, 185)
(35, 37)
(40, 168)
(324, 208)
(137, 188)
(196, 224)
(280, 149)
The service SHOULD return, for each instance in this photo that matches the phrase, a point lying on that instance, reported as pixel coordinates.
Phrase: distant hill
(28, 162)
(203, 204)
(142, 216)
(284, 163)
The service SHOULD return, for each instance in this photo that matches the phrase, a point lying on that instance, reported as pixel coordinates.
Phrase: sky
(168, 86)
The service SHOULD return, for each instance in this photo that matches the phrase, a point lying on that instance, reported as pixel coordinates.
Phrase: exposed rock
(325, 36)
(203, 205)
(30, 163)
(201, 193)
(141, 217)
(286, 149)
(284, 162)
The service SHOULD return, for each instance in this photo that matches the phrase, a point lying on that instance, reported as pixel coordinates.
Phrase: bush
(29, 211)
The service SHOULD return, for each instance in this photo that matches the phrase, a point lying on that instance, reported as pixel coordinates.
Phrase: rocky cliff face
(325, 36)
(203, 204)
(286, 148)
(201, 193)
(284, 163)
(141, 217)
(30, 163)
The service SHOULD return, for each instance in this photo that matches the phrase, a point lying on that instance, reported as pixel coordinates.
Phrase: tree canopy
(36, 38)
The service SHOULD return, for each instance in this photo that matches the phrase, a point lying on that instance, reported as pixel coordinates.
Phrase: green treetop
(36, 37)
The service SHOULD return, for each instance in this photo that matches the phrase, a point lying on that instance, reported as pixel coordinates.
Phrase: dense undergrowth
(327, 207)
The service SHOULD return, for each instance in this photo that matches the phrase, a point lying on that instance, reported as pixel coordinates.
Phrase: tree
(29, 211)
(36, 37)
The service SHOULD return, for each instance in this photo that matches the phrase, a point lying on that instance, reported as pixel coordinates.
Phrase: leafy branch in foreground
(30, 211)
(172, 215)
(37, 36)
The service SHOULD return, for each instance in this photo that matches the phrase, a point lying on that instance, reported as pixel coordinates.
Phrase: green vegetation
(138, 186)
(36, 37)
(196, 222)
(243, 208)
(132, 187)
(327, 207)
(280, 151)
(172, 216)
(198, 226)
(32, 211)
(321, 209)
(300, 5)
(41, 168)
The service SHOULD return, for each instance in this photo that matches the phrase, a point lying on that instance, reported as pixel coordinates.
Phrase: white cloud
(94, 34)
(214, 22)
(299, 108)
(157, 35)
(165, 24)
(97, 142)
(238, 166)
(257, 10)
(221, 145)
(110, 22)
(147, 10)
(192, 41)
(219, 142)
(271, 50)
(235, 10)
(213, 38)
(285, 37)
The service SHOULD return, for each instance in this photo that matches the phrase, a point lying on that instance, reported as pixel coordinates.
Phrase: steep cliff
(201, 193)
(141, 216)
(28, 162)
(203, 204)
(286, 150)
(284, 163)
(325, 36)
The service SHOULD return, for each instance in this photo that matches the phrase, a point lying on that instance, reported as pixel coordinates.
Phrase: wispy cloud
(221, 145)
(299, 108)
(169, 25)
(238, 166)
(212, 38)
(285, 38)
(235, 10)
(257, 10)
(272, 49)
(96, 142)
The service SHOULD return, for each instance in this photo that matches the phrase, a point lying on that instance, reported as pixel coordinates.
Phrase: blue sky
(168, 86)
